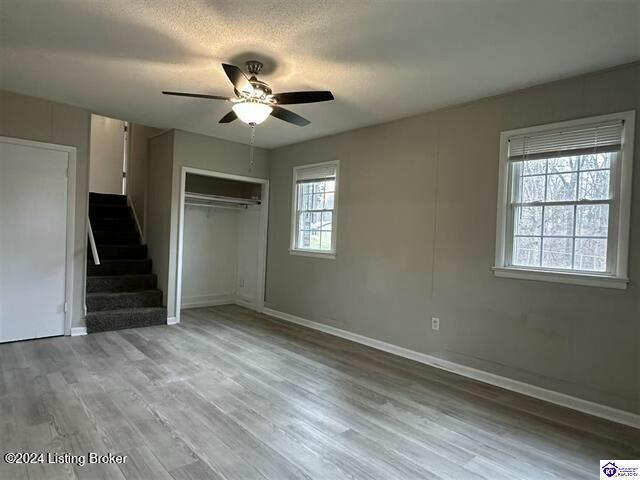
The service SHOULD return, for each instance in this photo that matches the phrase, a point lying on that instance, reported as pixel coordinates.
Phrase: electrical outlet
(242, 283)
(435, 323)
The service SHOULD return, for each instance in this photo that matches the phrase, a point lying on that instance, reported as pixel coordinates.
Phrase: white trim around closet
(262, 238)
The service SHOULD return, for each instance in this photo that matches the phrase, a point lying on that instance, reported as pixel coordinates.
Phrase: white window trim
(293, 250)
(623, 177)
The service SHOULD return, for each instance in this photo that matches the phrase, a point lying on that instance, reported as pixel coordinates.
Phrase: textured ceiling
(383, 60)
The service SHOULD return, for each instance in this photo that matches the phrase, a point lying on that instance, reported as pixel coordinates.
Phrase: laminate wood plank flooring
(233, 394)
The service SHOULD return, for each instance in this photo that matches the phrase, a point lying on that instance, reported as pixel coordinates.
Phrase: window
(564, 201)
(315, 195)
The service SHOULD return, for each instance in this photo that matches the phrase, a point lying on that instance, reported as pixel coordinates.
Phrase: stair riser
(121, 252)
(121, 284)
(107, 321)
(115, 237)
(108, 211)
(107, 199)
(122, 267)
(122, 223)
(101, 302)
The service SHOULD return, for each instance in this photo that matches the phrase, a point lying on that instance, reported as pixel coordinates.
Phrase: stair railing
(92, 242)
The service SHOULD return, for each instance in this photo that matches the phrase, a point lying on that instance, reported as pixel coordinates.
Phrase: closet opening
(222, 240)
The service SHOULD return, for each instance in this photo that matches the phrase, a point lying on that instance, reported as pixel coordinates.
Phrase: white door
(33, 223)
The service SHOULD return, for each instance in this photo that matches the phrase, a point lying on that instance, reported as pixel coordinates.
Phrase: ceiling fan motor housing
(261, 89)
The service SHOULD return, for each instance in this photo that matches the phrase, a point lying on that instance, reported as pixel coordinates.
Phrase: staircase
(121, 291)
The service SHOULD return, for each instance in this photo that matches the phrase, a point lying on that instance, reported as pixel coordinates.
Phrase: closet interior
(221, 241)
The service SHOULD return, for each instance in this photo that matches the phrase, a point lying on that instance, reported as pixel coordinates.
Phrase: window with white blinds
(567, 142)
(565, 199)
(314, 210)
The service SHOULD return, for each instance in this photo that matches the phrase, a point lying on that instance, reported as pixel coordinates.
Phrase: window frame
(307, 252)
(619, 215)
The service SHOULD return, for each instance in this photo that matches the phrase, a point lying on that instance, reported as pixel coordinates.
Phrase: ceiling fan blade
(229, 117)
(197, 95)
(289, 116)
(289, 98)
(240, 81)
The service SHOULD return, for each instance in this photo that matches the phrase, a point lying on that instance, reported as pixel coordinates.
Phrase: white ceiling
(383, 60)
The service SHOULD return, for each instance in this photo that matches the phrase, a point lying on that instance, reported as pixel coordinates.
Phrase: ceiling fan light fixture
(252, 113)
(254, 100)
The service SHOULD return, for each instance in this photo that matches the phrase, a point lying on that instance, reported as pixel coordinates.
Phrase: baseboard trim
(207, 300)
(564, 400)
(216, 300)
(172, 321)
(78, 331)
(246, 303)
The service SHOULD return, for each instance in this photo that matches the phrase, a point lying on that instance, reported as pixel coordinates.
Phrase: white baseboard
(197, 301)
(172, 321)
(575, 403)
(78, 331)
(247, 302)
(215, 300)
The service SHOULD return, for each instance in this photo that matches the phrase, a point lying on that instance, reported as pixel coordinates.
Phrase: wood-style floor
(231, 394)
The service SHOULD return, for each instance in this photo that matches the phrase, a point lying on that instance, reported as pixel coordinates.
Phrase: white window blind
(314, 173)
(581, 140)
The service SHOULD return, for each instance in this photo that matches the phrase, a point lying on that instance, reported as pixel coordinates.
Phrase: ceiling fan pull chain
(253, 138)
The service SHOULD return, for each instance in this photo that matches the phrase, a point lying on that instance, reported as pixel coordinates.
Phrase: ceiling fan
(255, 100)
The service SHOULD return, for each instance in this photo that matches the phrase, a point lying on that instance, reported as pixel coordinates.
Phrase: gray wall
(158, 221)
(168, 153)
(41, 120)
(138, 167)
(201, 151)
(416, 239)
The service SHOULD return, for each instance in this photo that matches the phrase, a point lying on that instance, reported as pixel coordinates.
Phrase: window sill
(312, 253)
(589, 280)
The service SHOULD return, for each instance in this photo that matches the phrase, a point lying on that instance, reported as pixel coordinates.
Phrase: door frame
(71, 216)
(262, 235)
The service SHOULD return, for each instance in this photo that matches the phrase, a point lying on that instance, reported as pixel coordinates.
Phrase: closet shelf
(205, 199)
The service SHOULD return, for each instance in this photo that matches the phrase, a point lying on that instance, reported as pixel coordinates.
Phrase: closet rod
(214, 205)
(221, 198)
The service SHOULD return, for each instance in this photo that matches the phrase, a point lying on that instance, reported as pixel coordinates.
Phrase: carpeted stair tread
(125, 318)
(121, 283)
(119, 267)
(121, 252)
(97, 302)
(107, 199)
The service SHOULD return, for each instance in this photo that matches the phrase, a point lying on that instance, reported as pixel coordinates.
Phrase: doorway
(108, 155)
(37, 213)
